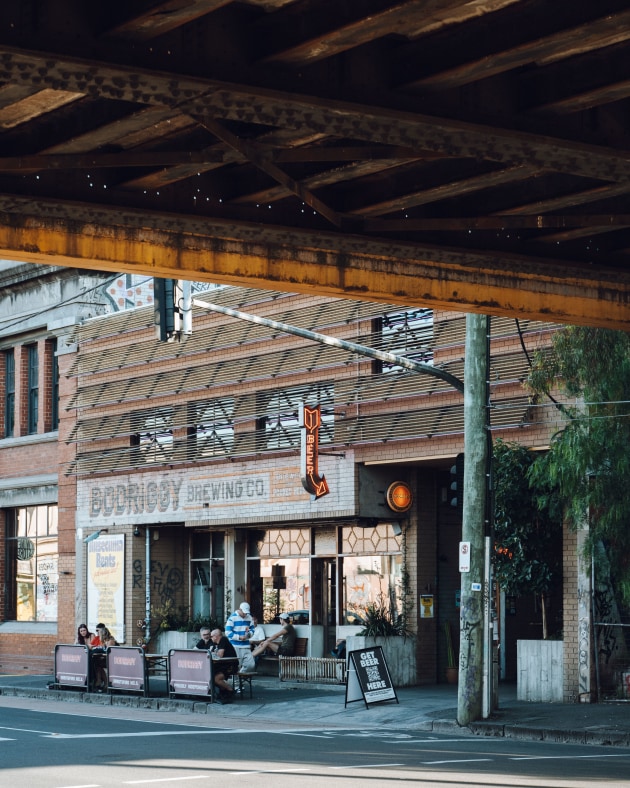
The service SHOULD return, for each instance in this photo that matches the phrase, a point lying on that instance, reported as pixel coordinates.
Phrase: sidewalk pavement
(429, 709)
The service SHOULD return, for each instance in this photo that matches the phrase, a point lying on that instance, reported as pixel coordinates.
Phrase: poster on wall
(106, 584)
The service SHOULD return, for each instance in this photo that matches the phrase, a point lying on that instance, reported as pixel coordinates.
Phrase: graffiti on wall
(165, 580)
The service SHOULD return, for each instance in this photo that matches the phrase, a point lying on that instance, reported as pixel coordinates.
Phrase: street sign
(464, 556)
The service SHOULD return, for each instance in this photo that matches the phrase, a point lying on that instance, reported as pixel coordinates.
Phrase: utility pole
(473, 587)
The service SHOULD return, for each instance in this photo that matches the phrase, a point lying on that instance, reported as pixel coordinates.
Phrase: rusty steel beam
(343, 266)
(204, 98)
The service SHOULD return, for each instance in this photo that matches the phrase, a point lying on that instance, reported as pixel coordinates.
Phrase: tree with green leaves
(527, 525)
(588, 463)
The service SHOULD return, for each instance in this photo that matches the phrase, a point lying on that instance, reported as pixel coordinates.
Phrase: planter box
(171, 639)
(540, 673)
(400, 655)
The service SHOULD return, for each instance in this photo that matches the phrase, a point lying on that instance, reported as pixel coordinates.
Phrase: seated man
(286, 646)
(258, 635)
(205, 641)
(222, 649)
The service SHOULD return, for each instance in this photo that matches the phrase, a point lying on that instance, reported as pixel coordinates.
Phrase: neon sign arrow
(310, 422)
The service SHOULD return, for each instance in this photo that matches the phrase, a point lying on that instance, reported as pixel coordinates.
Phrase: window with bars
(212, 430)
(278, 423)
(9, 393)
(407, 333)
(152, 436)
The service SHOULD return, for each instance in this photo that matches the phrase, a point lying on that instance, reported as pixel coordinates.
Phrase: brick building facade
(179, 464)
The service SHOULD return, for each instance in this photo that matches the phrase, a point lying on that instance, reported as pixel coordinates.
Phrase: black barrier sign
(125, 668)
(72, 666)
(190, 672)
(368, 677)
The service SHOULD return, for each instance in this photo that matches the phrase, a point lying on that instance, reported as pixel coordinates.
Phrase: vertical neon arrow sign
(310, 422)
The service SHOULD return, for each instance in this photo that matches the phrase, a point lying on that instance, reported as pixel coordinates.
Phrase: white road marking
(430, 741)
(269, 771)
(566, 757)
(166, 780)
(367, 766)
(457, 760)
(21, 730)
(310, 735)
(128, 735)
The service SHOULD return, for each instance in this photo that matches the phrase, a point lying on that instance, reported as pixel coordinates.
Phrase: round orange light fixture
(399, 497)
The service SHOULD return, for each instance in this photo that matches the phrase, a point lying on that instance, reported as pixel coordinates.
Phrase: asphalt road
(54, 746)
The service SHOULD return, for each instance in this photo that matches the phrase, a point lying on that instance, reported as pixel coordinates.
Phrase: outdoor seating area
(181, 672)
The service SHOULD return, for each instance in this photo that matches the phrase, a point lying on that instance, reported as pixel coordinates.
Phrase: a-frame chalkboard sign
(368, 677)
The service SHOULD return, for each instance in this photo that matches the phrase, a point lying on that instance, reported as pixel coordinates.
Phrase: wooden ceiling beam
(81, 161)
(162, 18)
(448, 190)
(610, 29)
(410, 19)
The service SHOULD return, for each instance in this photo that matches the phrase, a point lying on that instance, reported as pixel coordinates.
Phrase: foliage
(589, 461)
(179, 619)
(450, 651)
(383, 620)
(527, 524)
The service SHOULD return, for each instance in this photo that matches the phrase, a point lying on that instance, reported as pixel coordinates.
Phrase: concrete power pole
(471, 646)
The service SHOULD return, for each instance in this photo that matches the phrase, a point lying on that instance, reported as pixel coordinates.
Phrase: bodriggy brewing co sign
(208, 493)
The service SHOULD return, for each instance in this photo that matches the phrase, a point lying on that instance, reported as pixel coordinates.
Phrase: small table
(157, 664)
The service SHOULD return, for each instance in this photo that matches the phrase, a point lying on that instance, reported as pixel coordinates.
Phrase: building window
(54, 387)
(208, 576)
(152, 436)
(9, 393)
(371, 570)
(282, 564)
(278, 424)
(32, 564)
(32, 411)
(408, 333)
(212, 430)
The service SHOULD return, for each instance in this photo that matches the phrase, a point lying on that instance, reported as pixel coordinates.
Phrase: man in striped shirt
(239, 629)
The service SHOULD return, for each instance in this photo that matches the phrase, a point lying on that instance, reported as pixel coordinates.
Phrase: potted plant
(174, 628)
(452, 671)
(387, 628)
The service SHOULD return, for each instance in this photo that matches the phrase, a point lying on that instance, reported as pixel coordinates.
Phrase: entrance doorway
(325, 599)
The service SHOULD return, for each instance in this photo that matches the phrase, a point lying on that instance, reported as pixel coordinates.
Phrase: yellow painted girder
(347, 266)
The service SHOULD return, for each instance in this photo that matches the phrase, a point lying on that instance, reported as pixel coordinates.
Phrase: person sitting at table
(224, 650)
(205, 641)
(84, 636)
(286, 646)
(97, 640)
(100, 642)
(258, 635)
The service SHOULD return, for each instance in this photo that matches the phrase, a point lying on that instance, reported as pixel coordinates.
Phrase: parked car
(303, 617)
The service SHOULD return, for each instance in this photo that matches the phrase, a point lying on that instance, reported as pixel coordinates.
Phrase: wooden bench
(301, 648)
(267, 664)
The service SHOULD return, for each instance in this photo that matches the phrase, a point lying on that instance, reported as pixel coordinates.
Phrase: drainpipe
(147, 584)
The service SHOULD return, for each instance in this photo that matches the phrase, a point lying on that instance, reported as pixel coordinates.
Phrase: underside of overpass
(469, 155)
